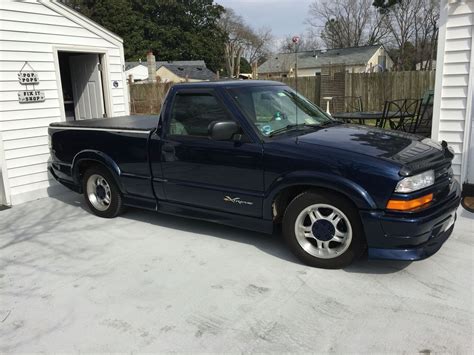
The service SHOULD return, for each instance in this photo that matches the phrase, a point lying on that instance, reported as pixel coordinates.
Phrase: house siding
(453, 93)
(32, 31)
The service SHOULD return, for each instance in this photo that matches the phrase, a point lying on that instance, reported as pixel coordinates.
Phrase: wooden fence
(309, 86)
(373, 88)
(376, 88)
(147, 98)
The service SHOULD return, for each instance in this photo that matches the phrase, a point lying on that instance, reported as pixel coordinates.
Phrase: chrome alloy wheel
(98, 192)
(323, 231)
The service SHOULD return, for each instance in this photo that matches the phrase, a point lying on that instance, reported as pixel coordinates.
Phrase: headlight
(416, 182)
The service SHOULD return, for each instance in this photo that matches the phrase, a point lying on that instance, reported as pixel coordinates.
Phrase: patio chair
(421, 124)
(396, 112)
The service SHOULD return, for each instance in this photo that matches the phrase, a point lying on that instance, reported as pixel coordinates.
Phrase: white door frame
(4, 184)
(104, 60)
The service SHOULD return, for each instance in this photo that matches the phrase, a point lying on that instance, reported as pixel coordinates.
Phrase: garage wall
(454, 81)
(30, 31)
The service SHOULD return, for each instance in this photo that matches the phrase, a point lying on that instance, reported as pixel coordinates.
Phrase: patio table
(364, 115)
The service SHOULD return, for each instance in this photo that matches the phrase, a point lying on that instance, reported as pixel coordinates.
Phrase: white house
(170, 71)
(55, 65)
(454, 92)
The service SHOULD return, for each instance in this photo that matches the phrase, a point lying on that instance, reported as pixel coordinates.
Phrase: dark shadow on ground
(270, 244)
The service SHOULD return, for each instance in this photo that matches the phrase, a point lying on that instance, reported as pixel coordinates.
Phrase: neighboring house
(176, 73)
(56, 65)
(356, 59)
(171, 71)
(454, 91)
(137, 70)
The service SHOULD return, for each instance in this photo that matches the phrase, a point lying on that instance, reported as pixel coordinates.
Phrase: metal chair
(421, 124)
(396, 112)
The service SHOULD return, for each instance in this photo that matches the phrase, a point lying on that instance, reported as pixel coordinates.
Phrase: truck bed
(129, 123)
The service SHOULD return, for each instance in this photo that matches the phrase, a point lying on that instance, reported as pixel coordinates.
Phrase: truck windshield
(275, 109)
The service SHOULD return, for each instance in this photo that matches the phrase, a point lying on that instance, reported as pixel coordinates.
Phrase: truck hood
(412, 152)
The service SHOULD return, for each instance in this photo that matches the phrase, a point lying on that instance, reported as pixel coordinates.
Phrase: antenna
(296, 40)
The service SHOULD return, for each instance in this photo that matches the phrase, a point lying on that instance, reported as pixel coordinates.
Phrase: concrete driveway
(70, 281)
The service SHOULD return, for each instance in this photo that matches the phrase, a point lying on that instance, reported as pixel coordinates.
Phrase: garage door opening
(82, 85)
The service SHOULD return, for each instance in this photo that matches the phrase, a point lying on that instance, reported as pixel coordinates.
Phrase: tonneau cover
(137, 123)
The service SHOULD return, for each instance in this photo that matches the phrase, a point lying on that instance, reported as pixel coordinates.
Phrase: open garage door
(87, 86)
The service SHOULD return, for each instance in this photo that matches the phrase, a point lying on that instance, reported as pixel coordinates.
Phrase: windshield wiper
(292, 126)
(286, 128)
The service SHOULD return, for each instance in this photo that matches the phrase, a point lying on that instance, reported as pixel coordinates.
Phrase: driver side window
(191, 114)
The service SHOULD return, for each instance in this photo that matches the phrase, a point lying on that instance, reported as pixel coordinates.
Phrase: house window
(382, 62)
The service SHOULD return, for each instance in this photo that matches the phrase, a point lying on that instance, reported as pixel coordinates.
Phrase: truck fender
(99, 157)
(344, 186)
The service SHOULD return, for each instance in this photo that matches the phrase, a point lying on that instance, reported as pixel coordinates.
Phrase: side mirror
(223, 130)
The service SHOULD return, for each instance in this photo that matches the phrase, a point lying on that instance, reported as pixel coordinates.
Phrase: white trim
(116, 130)
(126, 90)
(104, 75)
(443, 18)
(469, 113)
(82, 21)
(4, 182)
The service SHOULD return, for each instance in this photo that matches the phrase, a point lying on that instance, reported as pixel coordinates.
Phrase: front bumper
(411, 236)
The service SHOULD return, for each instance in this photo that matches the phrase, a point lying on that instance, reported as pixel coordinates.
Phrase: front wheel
(323, 230)
(101, 192)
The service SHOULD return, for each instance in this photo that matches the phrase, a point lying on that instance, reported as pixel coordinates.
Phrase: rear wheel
(323, 230)
(101, 192)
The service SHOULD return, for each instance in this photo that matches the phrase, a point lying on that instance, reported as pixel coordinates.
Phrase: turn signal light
(407, 205)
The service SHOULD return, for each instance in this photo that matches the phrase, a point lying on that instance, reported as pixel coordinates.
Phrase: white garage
(55, 65)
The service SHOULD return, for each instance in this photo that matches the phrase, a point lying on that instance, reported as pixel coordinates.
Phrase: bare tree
(426, 33)
(258, 45)
(413, 26)
(242, 41)
(347, 23)
(401, 22)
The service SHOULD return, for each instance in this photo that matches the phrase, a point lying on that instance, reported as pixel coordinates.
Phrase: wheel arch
(288, 187)
(87, 158)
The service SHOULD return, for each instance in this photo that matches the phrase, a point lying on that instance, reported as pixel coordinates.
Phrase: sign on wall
(31, 96)
(29, 78)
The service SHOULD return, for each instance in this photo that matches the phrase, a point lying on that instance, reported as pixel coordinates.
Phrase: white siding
(33, 31)
(454, 81)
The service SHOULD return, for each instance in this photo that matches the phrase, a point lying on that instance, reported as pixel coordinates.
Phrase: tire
(101, 192)
(333, 220)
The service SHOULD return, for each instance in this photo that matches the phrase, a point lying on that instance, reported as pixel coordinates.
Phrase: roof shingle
(282, 62)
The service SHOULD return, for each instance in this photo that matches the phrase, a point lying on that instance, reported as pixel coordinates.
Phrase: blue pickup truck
(255, 154)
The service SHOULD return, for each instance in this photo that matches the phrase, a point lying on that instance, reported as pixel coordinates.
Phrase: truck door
(202, 172)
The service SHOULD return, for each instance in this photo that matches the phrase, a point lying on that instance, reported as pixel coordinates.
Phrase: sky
(283, 17)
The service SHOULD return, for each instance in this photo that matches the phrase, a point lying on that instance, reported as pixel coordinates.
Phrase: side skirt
(229, 219)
